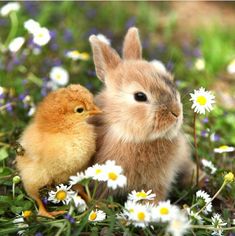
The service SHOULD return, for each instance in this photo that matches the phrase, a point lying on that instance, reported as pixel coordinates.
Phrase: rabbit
(140, 127)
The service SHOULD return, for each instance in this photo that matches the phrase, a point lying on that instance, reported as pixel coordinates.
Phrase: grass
(26, 73)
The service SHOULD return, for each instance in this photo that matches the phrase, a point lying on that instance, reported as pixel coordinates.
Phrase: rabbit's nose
(175, 111)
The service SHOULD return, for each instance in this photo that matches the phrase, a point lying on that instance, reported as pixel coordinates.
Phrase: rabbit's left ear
(132, 48)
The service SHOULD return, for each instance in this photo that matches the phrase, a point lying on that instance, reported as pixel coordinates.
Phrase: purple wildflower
(38, 234)
(69, 218)
(204, 133)
(9, 107)
(197, 52)
(45, 200)
(215, 137)
(68, 36)
(169, 65)
(91, 73)
(205, 120)
(131, 22)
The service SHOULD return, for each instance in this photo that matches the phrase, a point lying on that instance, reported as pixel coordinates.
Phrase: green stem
(33, 78)
(95, 189)
(13, 30)
(209, 227)
(195, 145)
(88, 191)
(13, 190)
(71, 209)
(216, 194)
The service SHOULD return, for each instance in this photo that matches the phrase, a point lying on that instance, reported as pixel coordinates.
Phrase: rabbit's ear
(105, 57)
(132, 48)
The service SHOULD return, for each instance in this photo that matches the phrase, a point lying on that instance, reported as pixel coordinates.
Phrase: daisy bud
(229, 177)
(16, 179)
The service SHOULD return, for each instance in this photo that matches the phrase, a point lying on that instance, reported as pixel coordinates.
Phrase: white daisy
(103, 39)
(96, 172)
(2, 90)
(21, 222)
(231, 67)
(209, 165)
(76, 55)
(217, 223)
(202, 100)
(179, 225)
(96, 215)
(203, 199)
(62, 194)
(32, 110)
(21, 225)
(31, 26)
(9, 7)
(200, 64)
(164, 211)
(141, 216)
(59, 75)
(41, 36)
(194, 216)
(16, 44)
(129, 207)
(224, 148)
(79, 203)
(114, 176)
(76, 178)
(158, 65)
(123, 218)
(142, 195)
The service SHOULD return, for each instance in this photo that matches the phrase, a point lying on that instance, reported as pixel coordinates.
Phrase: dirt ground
(196, 13)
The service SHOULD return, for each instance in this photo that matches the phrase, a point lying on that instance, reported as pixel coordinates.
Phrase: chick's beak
(95, 111)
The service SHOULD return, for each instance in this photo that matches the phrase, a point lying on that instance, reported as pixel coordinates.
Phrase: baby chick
(59, 142)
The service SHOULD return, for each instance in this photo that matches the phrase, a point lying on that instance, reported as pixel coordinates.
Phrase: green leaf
(5, 199)
(16, 209)
(3, 154)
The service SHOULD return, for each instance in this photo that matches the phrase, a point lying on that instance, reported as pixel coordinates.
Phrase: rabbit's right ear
(105, 57)
(132, 48)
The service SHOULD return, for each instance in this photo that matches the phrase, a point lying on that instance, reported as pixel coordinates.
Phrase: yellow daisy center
(164, 211)
(131, 210)
(201, 100)
(223, 147)
(40, 35)
(75, 53)
(61, 195)
(85, 56)
(112, 176)
(93, 216)
(141, 195)
(176, 224)
(141, 216)
(58, 77)
(26, 214)
(98, 171)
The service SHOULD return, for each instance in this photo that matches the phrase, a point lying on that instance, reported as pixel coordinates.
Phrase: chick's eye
(140, 97)
(79, 109)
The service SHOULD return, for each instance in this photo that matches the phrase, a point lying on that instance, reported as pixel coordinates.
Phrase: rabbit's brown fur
(144, 137)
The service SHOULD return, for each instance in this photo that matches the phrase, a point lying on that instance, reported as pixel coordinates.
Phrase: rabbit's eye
(140, 97)
(79, 109)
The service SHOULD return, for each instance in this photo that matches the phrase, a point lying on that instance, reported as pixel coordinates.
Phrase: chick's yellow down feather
(59, 142)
